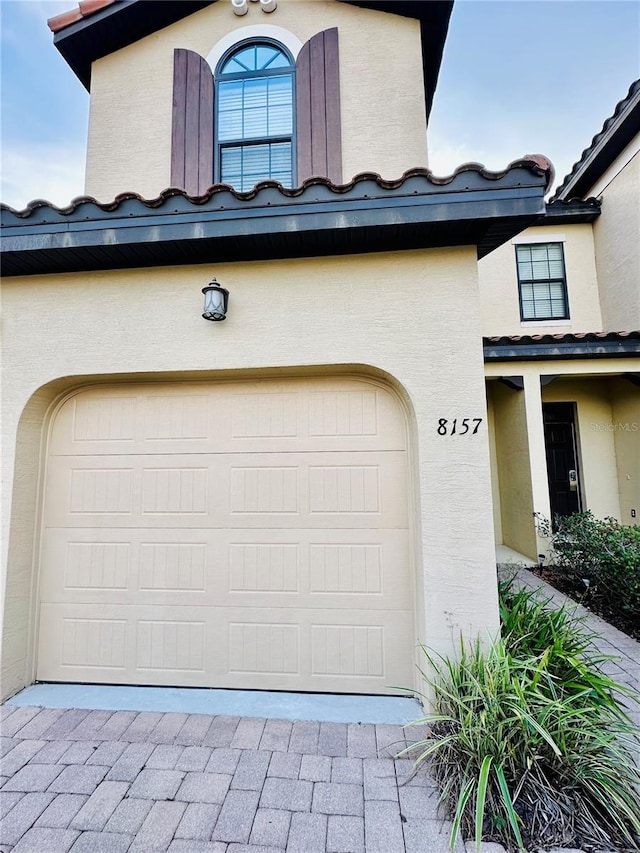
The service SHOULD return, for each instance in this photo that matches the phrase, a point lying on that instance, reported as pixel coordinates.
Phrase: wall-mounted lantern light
(216, 300)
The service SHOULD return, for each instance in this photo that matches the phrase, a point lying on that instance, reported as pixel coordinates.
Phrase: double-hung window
(262, 115)
(542, 281)
(255, 117)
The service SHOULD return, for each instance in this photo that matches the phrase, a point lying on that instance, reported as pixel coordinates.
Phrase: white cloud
(445, 155)
(41, 10)
(495, 151)
(24, 22)
(41, 171)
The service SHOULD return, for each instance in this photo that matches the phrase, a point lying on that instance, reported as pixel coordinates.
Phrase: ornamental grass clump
(528, 742)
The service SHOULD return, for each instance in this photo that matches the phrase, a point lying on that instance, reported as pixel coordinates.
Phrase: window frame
(219, 78)
(566, 315)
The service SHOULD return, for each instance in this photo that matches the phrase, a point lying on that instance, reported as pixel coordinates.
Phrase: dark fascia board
(473, 207)
(116, 26)
(617, 132)
(127, 21)
(573, 212)
(562, 350)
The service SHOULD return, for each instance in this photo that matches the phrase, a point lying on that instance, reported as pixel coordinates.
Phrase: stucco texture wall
(499, 301)
(625, 410)
(513, 468)
(617, 243)
(608, 441)
(381, 92)
(410, 316)
(495, 478)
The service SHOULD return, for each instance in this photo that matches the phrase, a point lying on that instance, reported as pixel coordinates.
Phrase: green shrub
(527, 742)
(601, 559)
(532, 627)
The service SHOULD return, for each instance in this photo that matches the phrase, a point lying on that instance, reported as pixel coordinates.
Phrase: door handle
(573, 480)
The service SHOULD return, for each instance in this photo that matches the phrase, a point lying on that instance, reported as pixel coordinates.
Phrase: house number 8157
(447, 427)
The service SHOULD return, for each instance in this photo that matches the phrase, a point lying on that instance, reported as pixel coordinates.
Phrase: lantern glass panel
(214, 303)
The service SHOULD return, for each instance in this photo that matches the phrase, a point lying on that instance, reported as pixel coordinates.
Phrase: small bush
(531, 627)
(600, 560)
(527, 742)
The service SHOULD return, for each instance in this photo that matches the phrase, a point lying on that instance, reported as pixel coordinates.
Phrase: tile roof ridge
(548, 337)
(84, 10)
(619, 108)
(537, 164)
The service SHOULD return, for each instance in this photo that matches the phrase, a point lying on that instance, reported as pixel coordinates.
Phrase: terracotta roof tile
(620, 108)
(566, 337)
(84, 10)
(537, 164)
(472, 207)
(567, 346)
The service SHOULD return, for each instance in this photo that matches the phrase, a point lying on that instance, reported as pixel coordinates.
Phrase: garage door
(246, 535)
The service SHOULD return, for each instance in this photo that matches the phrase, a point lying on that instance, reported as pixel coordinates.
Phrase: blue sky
(518, 77)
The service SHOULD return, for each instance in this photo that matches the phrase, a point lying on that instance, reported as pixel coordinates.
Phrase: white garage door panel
(265, 568)
(250, 534)
(286, 649)
(227, 490)
(246, 417)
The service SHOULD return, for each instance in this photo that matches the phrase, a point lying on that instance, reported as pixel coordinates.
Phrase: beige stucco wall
(613, 170)
(617, 244)
(326, 315)
(514, 477)
(499, 303)
(625, 411)
(381, 90)
(495, 477)
(608, 438)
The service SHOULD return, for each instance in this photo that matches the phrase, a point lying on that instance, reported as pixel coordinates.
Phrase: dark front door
(562, 461)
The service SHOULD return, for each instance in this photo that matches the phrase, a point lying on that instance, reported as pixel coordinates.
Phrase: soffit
(471, 207)
(572, 212)
(98, 29)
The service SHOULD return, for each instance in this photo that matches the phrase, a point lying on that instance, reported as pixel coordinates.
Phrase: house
(298, 496)
(563, 373)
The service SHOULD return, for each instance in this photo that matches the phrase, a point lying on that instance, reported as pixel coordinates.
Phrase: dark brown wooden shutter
(319, 138)
(192, 123)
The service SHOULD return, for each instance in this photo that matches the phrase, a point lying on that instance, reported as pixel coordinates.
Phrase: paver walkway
(140, 782)
(111, 782)
(624, 650)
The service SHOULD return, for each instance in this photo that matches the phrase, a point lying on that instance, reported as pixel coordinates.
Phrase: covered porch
(564, 437)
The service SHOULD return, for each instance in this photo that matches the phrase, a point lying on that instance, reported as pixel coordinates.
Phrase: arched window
(255, 119)
(242, 127)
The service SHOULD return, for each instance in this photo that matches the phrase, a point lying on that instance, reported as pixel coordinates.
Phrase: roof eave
(573, 212)
(610, 347)
(112, 27)
(434, 17)
(472, 207)
(115, 26)
(618, 131)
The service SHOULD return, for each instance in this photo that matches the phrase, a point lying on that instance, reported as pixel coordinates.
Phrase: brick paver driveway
(110, 782)
(124, 781)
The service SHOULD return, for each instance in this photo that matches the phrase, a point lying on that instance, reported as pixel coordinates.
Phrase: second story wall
(617, 244)
(504, 300)
(382, 107)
